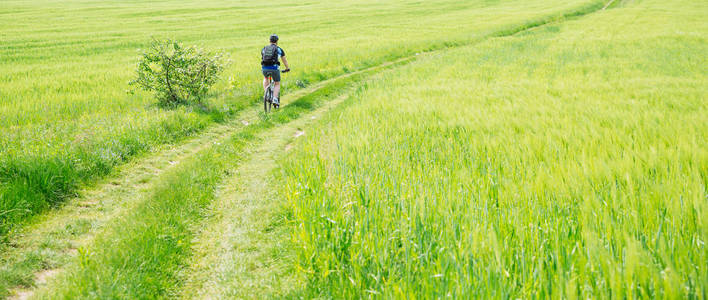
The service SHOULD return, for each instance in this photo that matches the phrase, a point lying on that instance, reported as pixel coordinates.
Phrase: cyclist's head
(274, 38)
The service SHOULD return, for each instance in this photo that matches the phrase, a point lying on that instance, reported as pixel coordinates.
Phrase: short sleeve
(282, 52)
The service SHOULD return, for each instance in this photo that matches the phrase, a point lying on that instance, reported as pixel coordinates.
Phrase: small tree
(177, 74)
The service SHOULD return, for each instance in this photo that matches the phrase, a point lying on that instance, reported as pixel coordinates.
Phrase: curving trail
(57, 235)
(239, 253)
(236, 252)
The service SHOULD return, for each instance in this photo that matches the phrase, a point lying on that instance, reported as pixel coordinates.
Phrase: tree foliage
(177, 74)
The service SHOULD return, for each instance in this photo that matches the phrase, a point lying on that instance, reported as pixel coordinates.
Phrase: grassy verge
(49, 241)
(565, 162)
(141, 254)
(32, 184)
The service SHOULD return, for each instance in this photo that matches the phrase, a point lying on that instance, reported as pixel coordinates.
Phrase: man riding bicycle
(271, 66)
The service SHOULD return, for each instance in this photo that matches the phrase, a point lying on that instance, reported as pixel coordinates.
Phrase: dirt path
(56, 236)
(59, 233)
(239, 253)
(241, 212)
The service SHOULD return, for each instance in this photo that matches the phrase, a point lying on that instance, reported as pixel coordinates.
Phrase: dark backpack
(270, 55)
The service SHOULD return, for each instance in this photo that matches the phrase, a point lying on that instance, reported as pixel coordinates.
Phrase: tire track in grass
(141, 252)
(103, 203)
(240, 254)
(52, 240)
(54, 237)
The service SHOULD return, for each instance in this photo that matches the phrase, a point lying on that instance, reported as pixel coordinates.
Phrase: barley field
(569, 161)
(68, 118)
(500, 149)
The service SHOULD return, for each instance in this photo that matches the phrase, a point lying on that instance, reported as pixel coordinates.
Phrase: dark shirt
(281, 53)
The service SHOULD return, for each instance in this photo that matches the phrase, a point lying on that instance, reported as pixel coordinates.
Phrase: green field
(427, 149)
(67, 119)
(568, 161)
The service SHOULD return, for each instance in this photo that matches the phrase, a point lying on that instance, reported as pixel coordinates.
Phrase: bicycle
(268, 97)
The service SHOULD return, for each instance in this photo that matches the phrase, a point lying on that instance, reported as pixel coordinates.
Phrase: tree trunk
(167, 79)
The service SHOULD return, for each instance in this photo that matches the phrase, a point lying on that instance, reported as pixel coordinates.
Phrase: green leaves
(176, 74)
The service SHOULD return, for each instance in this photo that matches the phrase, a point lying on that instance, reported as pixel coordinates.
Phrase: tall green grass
(66, 117)
(33, 183)
(566, 162)
(143, 254)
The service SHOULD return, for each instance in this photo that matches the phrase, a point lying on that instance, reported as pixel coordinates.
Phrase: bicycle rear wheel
(268, 100)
